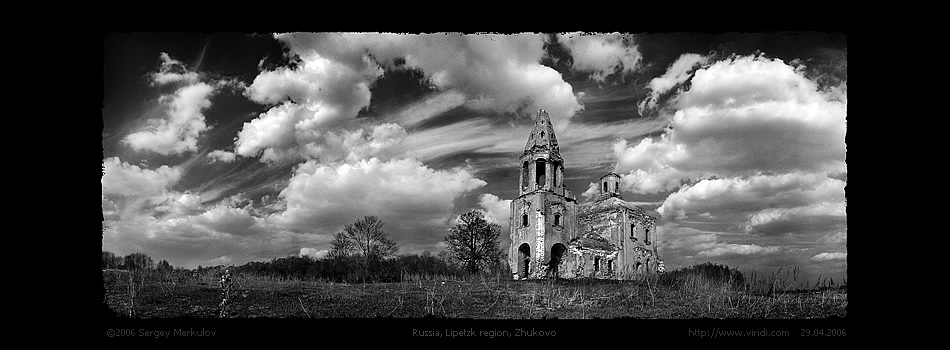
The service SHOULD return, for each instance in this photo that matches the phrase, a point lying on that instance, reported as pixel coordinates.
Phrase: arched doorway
(524, 260)
(557, 253)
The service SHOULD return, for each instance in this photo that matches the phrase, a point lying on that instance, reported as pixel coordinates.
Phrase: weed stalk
(225, 293)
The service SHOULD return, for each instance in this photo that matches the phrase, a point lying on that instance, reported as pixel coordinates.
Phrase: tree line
(134, 261)
(363, 252)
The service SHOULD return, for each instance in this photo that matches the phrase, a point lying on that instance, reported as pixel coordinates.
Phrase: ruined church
(552, 236)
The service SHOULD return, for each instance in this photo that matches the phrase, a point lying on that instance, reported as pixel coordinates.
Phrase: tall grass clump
(776, 282)
(704, 277)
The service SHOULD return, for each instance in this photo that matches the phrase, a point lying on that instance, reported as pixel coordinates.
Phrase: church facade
(552, 236)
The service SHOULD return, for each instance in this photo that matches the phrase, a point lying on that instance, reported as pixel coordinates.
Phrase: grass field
(154, 295)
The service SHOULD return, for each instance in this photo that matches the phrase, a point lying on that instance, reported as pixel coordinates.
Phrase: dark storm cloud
(396, 87)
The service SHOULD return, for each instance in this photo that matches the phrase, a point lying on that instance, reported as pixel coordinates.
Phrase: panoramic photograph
(454, 185)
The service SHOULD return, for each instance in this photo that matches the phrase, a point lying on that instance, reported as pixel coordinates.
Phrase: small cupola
(610, 185)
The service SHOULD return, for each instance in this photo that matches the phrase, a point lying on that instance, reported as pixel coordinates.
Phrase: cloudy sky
(229, 148)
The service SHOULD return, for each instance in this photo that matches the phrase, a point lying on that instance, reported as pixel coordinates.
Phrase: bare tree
(340, 247)
(474, 241)
(368, 239)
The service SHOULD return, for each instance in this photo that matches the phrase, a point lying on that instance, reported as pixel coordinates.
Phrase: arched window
(524, 220)
(617, 186)
(596, 263)
(540, 173)
(557, 219)
(647, 236)
(524, 175)
(605, 186)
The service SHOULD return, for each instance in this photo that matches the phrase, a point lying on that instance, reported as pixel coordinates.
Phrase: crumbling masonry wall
(540, 221)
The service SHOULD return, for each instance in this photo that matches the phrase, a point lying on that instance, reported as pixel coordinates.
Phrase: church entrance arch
(557, 253)
(524, 260)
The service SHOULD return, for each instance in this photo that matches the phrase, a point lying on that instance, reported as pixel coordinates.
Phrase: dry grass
(667, 296)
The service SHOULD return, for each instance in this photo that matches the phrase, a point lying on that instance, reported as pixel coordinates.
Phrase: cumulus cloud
(497, 72)
(173, 71)
(366, 144)
(314, 252)
(222, 156)
(272, 132)
(496, 210)
(645, 168)
(315, 103)
(412, 199)
(221, 260)
(592, 191)
(834, 256)
(601, 54)
(176, 204)
(230, 220)
(328, 89)
(121, 178)
(184, 122)
(278, 136)
(189, 200)
(741, 116)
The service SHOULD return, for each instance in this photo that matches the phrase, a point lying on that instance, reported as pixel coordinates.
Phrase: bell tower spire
(542, 168)
(542, 137)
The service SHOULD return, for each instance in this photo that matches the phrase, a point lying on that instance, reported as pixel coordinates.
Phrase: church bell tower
(542, 215)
